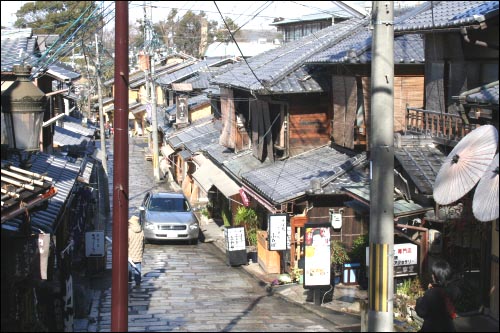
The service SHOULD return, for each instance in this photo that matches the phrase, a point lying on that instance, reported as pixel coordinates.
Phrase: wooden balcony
(446, 128)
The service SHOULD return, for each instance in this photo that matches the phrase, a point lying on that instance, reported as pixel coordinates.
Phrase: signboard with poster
(317, 255)
(405, 259)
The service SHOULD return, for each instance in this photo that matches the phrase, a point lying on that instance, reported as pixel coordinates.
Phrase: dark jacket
(437, 311)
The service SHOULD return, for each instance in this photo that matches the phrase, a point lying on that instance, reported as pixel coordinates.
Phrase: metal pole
(381, 278)
(101, 113)
(119, 287)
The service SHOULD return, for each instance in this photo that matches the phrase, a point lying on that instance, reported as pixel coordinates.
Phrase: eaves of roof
(483, 95)
(434, 16)
(420, 159)
(290, 179)
(268, 68)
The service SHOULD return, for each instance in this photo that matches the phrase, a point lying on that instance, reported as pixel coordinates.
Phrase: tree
(165, 29)
(187, 36)
(55, 17)
(222, 34)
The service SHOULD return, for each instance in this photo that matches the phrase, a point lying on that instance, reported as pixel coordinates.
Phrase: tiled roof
(17, 51)
(401, 207)
(447, 14)
(195, 137)
(64, 175)
(487, 94)
(62, 72)
(291, 178)
(274, 65)
(325, 15)
(138, 78)
(246, 49)
(67, 137)
(420, 159)
(408, 49)
(76, 125)
(188, 71)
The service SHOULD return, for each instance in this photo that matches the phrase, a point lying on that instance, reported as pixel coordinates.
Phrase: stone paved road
(191, 288)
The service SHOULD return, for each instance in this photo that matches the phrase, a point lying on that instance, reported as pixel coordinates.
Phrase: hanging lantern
(23, 107)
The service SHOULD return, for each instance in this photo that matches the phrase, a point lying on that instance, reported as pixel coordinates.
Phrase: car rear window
(168, 205)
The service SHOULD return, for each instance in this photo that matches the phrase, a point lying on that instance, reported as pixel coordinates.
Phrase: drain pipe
(465, 35)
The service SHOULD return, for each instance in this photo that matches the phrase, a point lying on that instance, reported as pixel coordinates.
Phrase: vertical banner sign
(235, 239)
(277, 232)
(317, 255)
(44, 249)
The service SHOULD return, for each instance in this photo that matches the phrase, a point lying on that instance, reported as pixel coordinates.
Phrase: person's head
(441, 272)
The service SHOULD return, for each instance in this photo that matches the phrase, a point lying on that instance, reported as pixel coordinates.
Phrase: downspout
(463, 32)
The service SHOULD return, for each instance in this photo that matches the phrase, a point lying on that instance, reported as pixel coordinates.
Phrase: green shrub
(247, 217)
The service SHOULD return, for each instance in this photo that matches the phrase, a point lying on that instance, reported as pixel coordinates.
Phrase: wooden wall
(309, 122)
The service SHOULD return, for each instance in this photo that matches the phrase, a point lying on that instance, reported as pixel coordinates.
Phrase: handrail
(445, 126)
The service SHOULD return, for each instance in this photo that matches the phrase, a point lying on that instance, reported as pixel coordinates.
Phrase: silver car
(168, 216)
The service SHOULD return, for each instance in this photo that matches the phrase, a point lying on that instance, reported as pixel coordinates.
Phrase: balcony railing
(446, 127)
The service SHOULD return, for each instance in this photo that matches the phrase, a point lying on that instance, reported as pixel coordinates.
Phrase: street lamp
(23, 108)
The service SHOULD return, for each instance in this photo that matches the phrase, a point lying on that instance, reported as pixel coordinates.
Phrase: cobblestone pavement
(190, 288)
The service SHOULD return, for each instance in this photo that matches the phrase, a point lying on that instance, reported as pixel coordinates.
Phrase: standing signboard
(278, 232)
(405, 259)
(236, 253)
(317, 255)
(94, 244)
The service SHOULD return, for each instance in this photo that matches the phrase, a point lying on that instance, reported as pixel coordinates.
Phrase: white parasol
(485, 203)
(466, 164)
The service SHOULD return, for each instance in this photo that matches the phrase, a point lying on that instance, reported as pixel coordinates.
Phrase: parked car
(168, 216)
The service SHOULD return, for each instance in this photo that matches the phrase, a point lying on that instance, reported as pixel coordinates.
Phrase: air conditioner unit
(182, 111)
(435, 241)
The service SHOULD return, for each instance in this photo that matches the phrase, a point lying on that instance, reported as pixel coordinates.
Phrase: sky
(249, 14)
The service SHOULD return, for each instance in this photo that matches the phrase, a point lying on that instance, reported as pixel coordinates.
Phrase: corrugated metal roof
(273, 66)
(64, 175)
(447, 14)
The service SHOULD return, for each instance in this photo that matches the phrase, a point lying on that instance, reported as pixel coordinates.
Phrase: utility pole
(150, 49)
(119, 278)
(381, 277)
(101, 113)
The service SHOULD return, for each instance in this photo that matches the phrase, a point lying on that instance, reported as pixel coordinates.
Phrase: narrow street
(190, 287)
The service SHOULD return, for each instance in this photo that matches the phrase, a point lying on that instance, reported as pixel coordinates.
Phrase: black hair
(441, 270)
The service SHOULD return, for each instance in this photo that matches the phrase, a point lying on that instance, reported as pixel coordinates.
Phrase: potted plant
(358, 254)
(247, 217)
(338, 256)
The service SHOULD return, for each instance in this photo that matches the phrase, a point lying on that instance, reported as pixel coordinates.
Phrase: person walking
(436, 307)
(135, 247)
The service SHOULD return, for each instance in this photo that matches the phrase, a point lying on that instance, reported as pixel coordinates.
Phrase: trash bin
(350, 273)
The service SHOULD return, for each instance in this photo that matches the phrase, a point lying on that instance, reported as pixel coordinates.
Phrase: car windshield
(168, 205)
